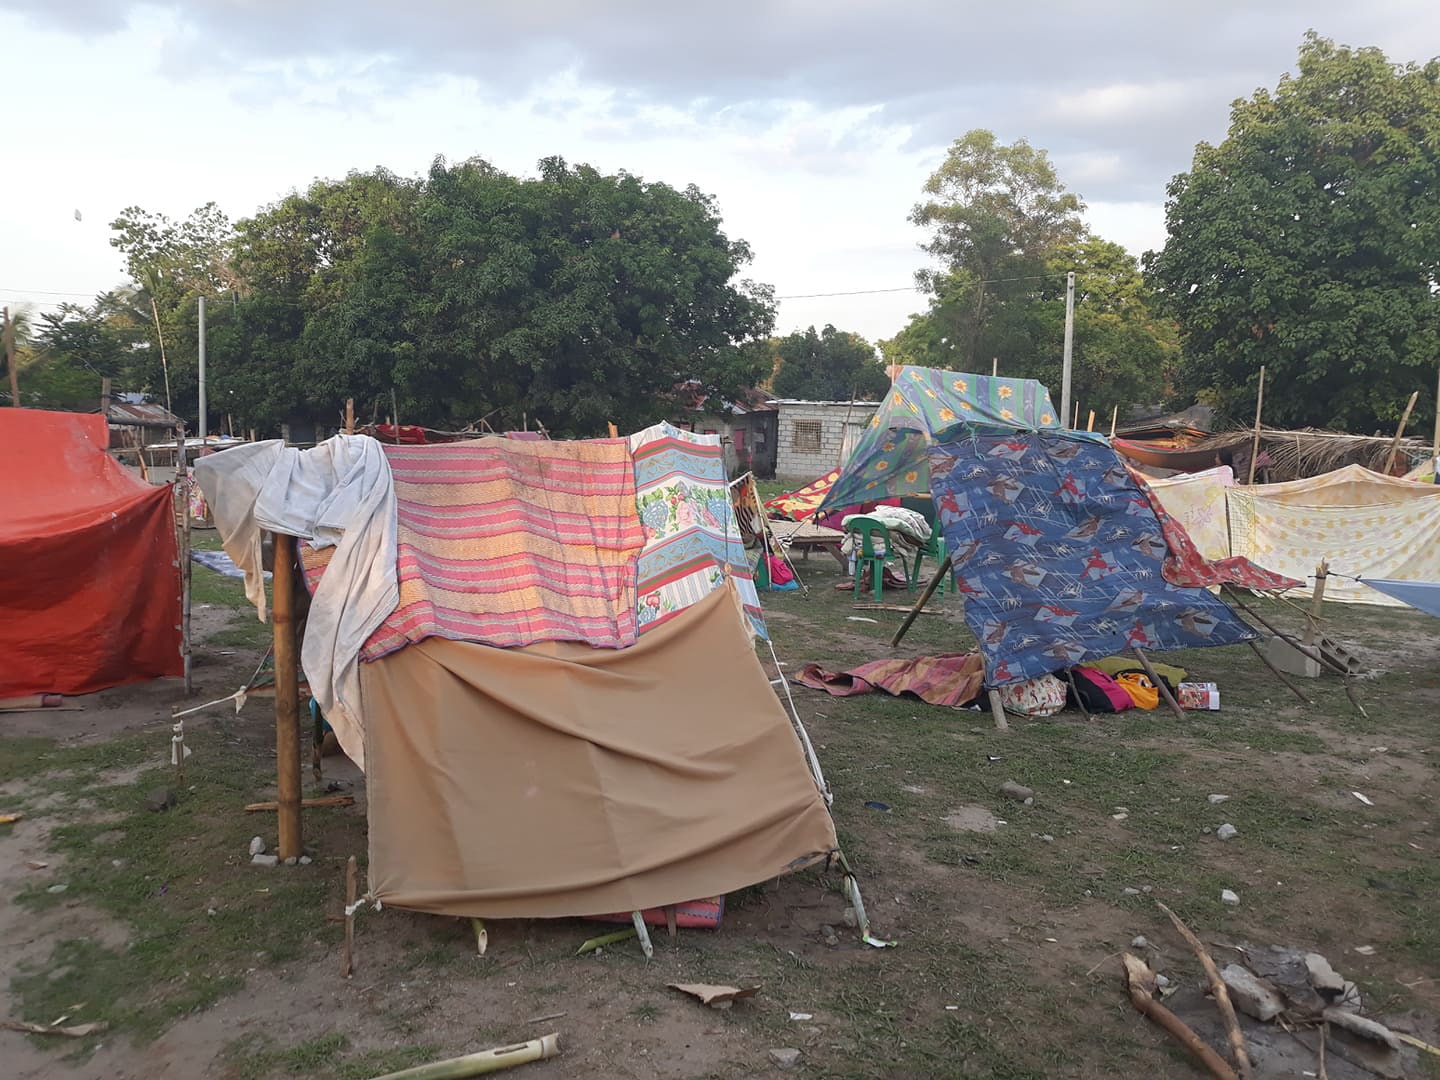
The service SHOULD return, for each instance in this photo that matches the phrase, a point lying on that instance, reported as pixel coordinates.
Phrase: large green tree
(1309, 241)
(996, 214)
(572, 298)
(830, 365)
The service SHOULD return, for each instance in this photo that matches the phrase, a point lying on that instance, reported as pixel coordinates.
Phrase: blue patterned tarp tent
(1058, 555)
(924, 406)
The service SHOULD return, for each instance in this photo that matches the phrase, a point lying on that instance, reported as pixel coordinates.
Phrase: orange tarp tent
(89, 587)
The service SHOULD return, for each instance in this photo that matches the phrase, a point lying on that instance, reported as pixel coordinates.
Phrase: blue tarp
(1058, 555)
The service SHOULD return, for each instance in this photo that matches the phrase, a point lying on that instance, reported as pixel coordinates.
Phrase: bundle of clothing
(1117, 683)
(907, 529)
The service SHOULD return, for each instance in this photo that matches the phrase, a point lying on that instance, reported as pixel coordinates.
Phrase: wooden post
(1435, 444)
(1317, 604)
(182, 486)
(1075, 420)
(1255, 443)
(1399, 431)
(287, 699)
(1090, 424)
(349, 416)
(7, 334)
(940, 573)
(1160, 685)
(105, 397)
(1114, 416)
(997, 710)
(348, 965)
(395, 408)
(994, 367)
(614, 431)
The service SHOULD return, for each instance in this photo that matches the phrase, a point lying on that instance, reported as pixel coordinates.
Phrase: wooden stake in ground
(929, 591)
(1090, 424)
(1399, 431)
(1255, 443)
(351, 885)
(287, 699)
(1114, 416)
(614, 431)
(1317, 604)
(997, 710)
(1217, 987)
(1140, 981)
(486, 1061)
(349, 416)
(182, 486)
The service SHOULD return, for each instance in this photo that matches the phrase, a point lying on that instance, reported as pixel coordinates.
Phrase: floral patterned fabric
(691, 536)
(926, 405)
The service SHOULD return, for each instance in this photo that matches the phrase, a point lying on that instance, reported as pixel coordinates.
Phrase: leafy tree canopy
(1309, 241)
(573, 297)
(831, 365)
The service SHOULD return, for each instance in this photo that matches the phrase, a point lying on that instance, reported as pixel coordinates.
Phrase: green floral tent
(926, 405)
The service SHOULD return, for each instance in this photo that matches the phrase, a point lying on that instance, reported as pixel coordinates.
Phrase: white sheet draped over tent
(1364, 523)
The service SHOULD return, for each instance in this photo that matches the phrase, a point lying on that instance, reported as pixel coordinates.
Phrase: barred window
(807, 437)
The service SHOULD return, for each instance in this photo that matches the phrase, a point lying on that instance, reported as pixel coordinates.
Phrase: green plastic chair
(865, 529)
(935, 549)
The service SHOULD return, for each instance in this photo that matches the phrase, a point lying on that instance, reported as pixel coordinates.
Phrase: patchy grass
(196, 914)
(1000, 933)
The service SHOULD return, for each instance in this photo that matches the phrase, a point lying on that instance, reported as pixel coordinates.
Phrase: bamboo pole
(934, 584)
(1399, 431)
(994, 367)
(1278, 673)
(614, 431)
(1090, 424)
(1299, 646)
(7, 337)
(351, 887)
(486, 1061)
(1218, 989)
(1139, 980)
(1075, 420)
(182, 486)
(349, 416)
(1159, 684)
(1255, 443)
(1317, 603)
(1435, 443)
(287, 698)
(1114, 416)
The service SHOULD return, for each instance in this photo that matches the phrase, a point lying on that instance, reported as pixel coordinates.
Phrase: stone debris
(1227, 831)
(1019, 792)
(1229, 896)
(264, 860)
(785, 1058)
(1250, 995)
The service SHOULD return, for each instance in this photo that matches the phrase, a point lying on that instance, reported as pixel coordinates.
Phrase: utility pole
(9, 341)
(202, 373)
(1069, 344)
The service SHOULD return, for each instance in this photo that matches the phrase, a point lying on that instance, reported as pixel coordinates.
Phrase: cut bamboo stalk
(1139, 980)
(486, 1061)
(1317, 603)
(1218, 989)
(328, 800)
(670, 921)
(1255, 443)
(1159, 684)
(350, 416)
(643, 933)
(1299, 646)
(351, 885)
(482, 936)
(1070, 675)
(1114, 416)
(614, 431)
(1090, 424)
(1399, 431)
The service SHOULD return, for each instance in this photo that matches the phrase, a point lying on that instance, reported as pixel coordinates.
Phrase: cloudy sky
(814, 124)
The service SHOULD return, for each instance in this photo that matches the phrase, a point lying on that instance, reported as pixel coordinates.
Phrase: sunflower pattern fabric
(926, 405)
(1058, 555)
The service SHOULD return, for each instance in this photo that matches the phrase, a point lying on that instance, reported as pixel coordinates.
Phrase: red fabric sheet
(90, 593)
(1186, 567)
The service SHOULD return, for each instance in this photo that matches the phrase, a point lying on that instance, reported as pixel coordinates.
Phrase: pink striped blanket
(509, 542)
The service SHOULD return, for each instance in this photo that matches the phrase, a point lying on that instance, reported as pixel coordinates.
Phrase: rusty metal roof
(141, 414)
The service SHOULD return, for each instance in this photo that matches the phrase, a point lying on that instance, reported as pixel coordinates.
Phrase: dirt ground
(1008, 918)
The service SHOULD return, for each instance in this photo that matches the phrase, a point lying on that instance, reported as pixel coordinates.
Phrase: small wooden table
(804, 537)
